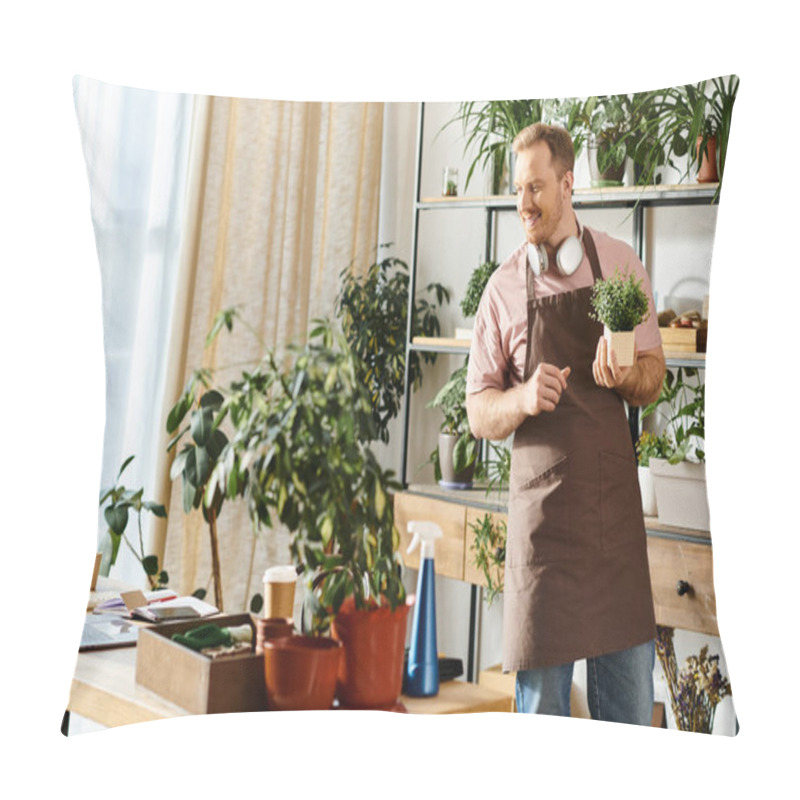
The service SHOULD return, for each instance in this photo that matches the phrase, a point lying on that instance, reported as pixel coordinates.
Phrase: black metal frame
(635, 198)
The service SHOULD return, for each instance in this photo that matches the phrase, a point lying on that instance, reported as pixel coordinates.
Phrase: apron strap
(591, 252)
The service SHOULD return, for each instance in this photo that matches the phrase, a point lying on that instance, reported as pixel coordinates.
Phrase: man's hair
(562, 152)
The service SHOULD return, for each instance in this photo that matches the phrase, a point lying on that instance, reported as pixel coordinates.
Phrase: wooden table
(104, 690)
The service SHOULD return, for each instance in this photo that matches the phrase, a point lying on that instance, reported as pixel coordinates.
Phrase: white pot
(622, 343)
(681, 493)
(648, 490)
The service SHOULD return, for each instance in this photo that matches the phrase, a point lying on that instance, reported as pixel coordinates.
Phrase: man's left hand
(606, 369)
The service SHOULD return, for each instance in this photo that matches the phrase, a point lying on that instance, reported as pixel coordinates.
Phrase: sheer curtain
(286, 197)
(136, 147)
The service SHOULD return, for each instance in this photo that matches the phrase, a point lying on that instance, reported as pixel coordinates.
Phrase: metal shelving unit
(638, 199)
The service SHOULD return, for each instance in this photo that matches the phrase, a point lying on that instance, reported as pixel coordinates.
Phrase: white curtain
(136, 147)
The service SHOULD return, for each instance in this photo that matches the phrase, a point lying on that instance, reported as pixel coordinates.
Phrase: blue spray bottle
(423, 658)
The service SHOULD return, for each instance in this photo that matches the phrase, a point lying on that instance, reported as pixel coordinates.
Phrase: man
(577, 581)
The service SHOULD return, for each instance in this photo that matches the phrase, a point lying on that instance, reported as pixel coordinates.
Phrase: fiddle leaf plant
(373, 310)
(619, 302)
(299, 455)
(117, 503)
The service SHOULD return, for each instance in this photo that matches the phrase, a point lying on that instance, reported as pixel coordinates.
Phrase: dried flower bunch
(697, 690)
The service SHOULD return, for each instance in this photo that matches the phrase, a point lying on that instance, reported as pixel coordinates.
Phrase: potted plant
(455, 457)
(119, 502)
(474, 291)
(693, 121)
(617, 128)
(697, 690)
(619, 302)
(490, 127)
(299, 454)
(679, 477)
(649, 445)
(373, 309)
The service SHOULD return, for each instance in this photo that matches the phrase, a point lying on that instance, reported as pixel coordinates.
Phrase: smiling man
(577, 582)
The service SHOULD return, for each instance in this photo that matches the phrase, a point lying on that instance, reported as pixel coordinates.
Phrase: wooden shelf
(678, 194)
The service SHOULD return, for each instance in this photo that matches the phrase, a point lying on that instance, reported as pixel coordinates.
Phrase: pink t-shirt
(497, 353)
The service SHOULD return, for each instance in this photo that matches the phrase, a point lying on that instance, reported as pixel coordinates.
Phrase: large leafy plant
(373, 309)
(117, 503)
(619, 302)
(681, 406)
(299, 455)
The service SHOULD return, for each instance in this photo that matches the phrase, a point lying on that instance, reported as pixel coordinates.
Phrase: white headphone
(568, 256)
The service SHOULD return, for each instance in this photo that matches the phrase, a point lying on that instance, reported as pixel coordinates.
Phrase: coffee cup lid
(280, 574)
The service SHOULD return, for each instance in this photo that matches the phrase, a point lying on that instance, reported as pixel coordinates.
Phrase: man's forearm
(642, 385)
(495, 414)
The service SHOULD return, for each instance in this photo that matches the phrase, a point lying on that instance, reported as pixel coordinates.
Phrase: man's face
(541, 196)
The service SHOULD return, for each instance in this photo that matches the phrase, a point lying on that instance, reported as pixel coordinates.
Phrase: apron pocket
(540, 518)
(622, 520)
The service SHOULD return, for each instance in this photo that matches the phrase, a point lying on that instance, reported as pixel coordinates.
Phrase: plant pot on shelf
(301, 672)
(707, 173)
(681, 493)
(622, 343)
(611, 176)
(648, 492)
(450, 478)
(371, 669)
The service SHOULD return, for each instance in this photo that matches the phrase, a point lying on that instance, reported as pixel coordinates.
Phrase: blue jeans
(619, 687)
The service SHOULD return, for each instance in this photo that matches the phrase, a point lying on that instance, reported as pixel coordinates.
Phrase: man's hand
(543, 390)
(637, 385)
(606, 369)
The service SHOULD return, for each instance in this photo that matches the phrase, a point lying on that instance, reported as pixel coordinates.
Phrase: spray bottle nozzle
(425, 532)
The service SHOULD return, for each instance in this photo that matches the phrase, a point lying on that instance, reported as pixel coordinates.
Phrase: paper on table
(180, 608)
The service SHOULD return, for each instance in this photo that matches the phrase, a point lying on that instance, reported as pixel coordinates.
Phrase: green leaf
(124, 465)
(200, 594)
(256, 604)
(150, 564)
(155, 508)
(211, 399)
(202, 425)
(116, 518)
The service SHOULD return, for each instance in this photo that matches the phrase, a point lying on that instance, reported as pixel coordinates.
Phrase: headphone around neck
(568, 256)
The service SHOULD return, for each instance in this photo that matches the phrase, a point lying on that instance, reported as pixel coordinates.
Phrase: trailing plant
(299, 455)
(119, 502)
(496, 468)
(681, 406)
(489, 553)
(651, 445)
(619, 302)
(451, 400)
(373, 310)
(477, 283)
(695, 691)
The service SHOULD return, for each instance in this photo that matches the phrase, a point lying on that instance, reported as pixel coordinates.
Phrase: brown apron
(577, 582)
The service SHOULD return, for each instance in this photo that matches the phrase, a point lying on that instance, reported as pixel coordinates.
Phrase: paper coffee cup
(279, 585)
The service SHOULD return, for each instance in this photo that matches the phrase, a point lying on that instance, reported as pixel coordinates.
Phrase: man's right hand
(543, 390)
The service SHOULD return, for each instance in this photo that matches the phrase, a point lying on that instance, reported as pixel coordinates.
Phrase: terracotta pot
(371, 671)
(300, 672)
(450, 478)
(271, 628)
(708, 169)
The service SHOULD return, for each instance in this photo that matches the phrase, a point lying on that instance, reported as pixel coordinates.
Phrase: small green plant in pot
(679, 471)
(649, 445)
(620, 303)
(455, 458)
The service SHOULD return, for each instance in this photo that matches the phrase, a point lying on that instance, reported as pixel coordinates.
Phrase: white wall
(450, 246)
